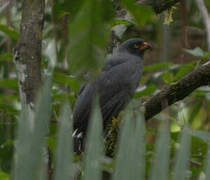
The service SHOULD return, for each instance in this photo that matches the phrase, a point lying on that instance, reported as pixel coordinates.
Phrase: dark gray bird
(115, 86)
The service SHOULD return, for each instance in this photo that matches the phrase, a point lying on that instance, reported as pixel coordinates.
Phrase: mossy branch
(178, 90)
(159, 5)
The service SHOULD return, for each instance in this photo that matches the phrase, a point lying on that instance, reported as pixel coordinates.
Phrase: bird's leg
(111, 137)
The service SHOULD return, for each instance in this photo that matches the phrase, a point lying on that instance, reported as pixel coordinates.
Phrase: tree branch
(159, 5)
(27, 54)
(178, 91)
(182, 88)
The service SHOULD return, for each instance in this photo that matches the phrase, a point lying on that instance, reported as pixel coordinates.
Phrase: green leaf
(204, 135)
(198, 52)
(88, 38)
(156, 67)
(93, 150)
(66, 7)
(62, 78)
(9, 84)
(4, 176)
(130, 158)
(182, 157)
(195, 110)
(9, 32)
(141, 13)
(64, 154)
(119, 22)
(168, 77)
(160, 166)
(138, 150)
(31, 133)
(6, 57)
(7, 107)
(145, 92)
(184, 69)
(207, 167)
(175, 127)
(124, 154)
(206, 56)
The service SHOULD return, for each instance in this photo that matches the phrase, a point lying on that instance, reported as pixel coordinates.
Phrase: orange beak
(145, 46)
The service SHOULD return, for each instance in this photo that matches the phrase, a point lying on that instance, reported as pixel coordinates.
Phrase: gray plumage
(115, 86)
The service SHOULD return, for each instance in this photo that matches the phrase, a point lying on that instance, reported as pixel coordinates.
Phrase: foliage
(88, 35)
(130, 157)
(30, 146)
(75, 38)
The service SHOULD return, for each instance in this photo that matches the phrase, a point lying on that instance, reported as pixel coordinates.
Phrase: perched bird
(115, 87)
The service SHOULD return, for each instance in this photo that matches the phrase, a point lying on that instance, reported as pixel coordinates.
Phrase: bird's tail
(78, 141)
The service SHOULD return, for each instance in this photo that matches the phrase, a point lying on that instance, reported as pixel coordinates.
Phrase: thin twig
(3, 6)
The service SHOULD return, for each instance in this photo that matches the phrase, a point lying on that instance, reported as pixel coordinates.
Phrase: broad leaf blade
(138, 163)
(62, 78)
(93, 150)
(141, 13)
(198, 52)
(207, 168)
(88, 35)
(204, 135)
(148, 90)
(124, 156)
(64, 159)
(9, 32)
(182, 156)
(33, 127)
(161, 162)
(157, 67)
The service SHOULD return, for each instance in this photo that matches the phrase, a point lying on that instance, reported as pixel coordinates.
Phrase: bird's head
(135, 46)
